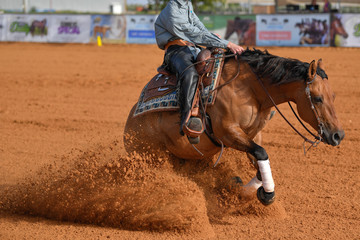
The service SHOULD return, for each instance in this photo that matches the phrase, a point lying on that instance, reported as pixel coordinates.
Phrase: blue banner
(141, 34)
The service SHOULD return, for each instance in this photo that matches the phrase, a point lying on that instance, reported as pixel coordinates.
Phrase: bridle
(317, 115)
(318, 137)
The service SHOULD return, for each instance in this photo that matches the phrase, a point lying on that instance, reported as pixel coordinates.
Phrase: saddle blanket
(169, 101)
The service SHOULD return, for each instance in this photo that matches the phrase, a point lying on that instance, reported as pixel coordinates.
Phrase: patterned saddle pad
(160, 94)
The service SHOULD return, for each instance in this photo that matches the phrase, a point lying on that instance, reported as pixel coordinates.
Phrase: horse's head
(316, 105)
(338, 28)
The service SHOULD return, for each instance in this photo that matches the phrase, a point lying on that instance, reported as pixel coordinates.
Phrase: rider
(178, 30)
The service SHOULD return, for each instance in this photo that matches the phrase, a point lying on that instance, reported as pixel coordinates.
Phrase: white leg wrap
(267, 180)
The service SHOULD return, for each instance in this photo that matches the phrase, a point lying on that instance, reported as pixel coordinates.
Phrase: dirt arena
(64, 173)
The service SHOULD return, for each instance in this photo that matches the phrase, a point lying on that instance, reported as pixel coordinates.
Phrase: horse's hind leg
(255, 183)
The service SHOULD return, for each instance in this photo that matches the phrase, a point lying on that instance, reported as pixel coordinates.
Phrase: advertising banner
(69, 28)
(29, 28)
(237, 29)
(293, 30)
(140, 29)
(2, 27)
(345, 30)
(111, 28)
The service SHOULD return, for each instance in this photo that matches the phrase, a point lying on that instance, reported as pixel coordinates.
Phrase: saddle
(208, 65)
(165, 81)
(160, 94)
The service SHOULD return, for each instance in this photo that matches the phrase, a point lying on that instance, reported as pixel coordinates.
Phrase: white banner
(2, 27)
(293, 30)
(29, 28)
(70, 28)
(140, 29)
(345, 30)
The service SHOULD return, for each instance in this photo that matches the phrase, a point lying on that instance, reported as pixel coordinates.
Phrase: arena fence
(249, 30)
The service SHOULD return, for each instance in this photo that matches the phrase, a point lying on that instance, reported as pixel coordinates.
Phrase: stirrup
(194, 127)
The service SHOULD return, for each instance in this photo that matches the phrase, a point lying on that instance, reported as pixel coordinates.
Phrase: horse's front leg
(263, 182)
(256, 182)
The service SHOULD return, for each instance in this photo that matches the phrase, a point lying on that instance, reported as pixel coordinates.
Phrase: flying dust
(108, 187)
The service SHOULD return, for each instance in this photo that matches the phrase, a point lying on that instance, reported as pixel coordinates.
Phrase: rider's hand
(236, 49)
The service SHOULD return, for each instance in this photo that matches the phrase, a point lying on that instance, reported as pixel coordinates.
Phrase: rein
(318, 137)
(216, 141)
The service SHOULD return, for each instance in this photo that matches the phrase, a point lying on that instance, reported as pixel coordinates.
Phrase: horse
(250, 35)
(337, 28)
(39, 26)
(244, 28)
(101, 31)
(250, 86)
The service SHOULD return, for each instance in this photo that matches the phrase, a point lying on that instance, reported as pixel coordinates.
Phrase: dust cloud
(108, 187)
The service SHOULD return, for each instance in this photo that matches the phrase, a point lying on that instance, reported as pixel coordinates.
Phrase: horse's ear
(320, 64)
(312, 70)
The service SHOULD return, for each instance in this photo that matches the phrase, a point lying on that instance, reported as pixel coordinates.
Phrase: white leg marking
(252, 186)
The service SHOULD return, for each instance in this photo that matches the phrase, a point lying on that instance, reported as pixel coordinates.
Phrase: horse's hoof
(265, 197)
(194, 140)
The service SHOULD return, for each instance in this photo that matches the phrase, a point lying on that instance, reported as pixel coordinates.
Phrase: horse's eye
(318, 99)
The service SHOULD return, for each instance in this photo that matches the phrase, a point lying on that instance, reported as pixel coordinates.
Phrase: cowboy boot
(190, 125)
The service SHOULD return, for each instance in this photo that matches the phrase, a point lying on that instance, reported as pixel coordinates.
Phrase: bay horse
(241, 110)
(336, 28)
(245, 30)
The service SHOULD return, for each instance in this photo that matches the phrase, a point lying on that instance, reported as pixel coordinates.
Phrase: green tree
(199, 5)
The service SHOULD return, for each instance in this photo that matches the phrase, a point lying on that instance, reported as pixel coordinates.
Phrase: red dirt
(64, 173)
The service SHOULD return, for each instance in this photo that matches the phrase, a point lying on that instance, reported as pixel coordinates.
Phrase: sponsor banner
(140, 29)
(293, 30)
(69, 28)
(235, 28)
(29, 28)
(2, 27)
(111, 28)
(345, 30)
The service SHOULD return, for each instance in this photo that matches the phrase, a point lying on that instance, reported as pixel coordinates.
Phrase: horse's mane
(280, 70)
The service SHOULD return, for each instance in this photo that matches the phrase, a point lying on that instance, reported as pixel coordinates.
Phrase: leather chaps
(178, 58)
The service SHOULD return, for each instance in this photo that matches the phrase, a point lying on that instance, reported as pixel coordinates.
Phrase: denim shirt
(178, 21)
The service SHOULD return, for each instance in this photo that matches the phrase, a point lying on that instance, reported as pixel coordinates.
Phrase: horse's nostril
(337, 137)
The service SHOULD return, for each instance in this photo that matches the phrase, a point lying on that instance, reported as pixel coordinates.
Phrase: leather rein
(317, 137)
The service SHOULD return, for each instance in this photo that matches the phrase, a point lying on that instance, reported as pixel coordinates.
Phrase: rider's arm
(178, 24)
